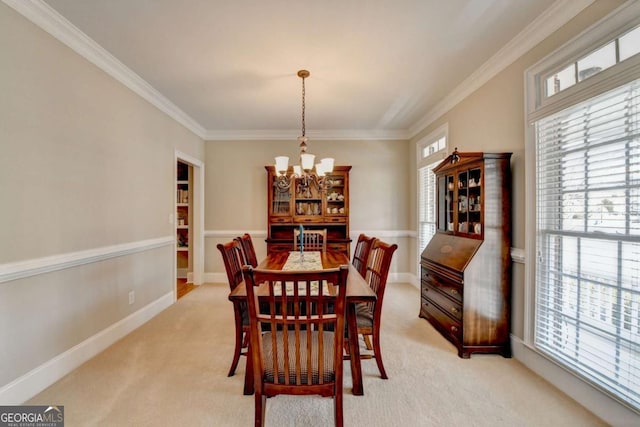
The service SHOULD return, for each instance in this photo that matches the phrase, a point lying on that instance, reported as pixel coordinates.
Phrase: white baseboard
(596, 401)
(33, 382)
(403, 278)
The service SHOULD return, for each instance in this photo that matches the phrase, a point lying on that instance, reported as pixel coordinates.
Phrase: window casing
(588, 239)
(431, 150)
(583, 153)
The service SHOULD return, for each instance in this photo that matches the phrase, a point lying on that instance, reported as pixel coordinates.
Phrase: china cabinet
(466, 267)
(304, 203)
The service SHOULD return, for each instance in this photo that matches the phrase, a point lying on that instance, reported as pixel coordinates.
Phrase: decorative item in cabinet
(308, 205)
(466, 267)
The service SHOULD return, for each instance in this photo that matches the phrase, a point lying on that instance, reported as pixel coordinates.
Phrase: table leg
(354, 350)
(248, 373)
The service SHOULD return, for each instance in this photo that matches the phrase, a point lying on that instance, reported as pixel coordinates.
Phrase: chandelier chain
(303, 108)
(305, 174)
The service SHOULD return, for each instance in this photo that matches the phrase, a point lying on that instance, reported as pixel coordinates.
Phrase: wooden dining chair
(369, 315)
(248, 250)
(233, 262)
(361, 253)
(312, 240)
(294, 348)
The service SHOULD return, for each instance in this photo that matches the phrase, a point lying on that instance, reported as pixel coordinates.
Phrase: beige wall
(492, 119)
(85, 164)
(236, 190)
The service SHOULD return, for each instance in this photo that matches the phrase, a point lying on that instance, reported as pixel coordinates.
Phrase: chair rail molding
(32, 267)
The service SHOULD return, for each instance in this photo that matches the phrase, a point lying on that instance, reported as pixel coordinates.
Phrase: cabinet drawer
(446, 323)
(340, 219)
(453, 308)
(280, 219)
(307, 219)
(446, 287)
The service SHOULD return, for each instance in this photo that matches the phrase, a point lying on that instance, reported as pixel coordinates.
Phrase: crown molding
(284, 134)
(557, 15)
(45, 17)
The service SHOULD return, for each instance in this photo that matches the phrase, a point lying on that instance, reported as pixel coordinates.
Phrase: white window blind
(426, 204)
(587, 272)
(431, 151)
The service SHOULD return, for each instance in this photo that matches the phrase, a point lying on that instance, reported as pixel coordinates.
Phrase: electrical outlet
(132, 297)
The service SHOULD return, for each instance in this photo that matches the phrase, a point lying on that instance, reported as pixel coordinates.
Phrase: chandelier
(306, 172)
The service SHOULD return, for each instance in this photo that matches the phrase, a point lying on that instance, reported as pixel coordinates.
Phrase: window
(591, 64)
(629, 44)
(584, 154)
(588, 239)
(431, 151)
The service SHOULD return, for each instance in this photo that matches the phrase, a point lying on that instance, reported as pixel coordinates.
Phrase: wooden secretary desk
(466, 267)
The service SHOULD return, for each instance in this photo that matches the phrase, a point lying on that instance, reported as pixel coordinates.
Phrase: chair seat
(328, 345)
(364, 316)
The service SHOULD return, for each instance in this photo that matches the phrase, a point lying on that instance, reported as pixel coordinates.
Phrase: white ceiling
(377, 66)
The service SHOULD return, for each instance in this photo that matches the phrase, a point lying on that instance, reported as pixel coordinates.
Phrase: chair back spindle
(293, 316)
(312, 240)
(378, 270)
(248, 250)
(361, 253)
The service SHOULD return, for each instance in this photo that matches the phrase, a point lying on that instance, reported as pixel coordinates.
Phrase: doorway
(188, 223)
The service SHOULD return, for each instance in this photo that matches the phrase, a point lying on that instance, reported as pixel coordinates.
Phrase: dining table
(358, 291)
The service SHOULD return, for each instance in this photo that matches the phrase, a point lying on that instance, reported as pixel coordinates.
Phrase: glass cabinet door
(449, 201)
(307, 200)
(280, 198)
(445, 205)
(442, 204)
(463, 202)
(474, 201)
(336, 195)
(470, 201)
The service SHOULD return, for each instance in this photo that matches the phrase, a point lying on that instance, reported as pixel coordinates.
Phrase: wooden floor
(183, 287)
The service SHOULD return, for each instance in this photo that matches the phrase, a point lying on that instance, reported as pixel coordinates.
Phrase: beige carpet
(172, 371)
